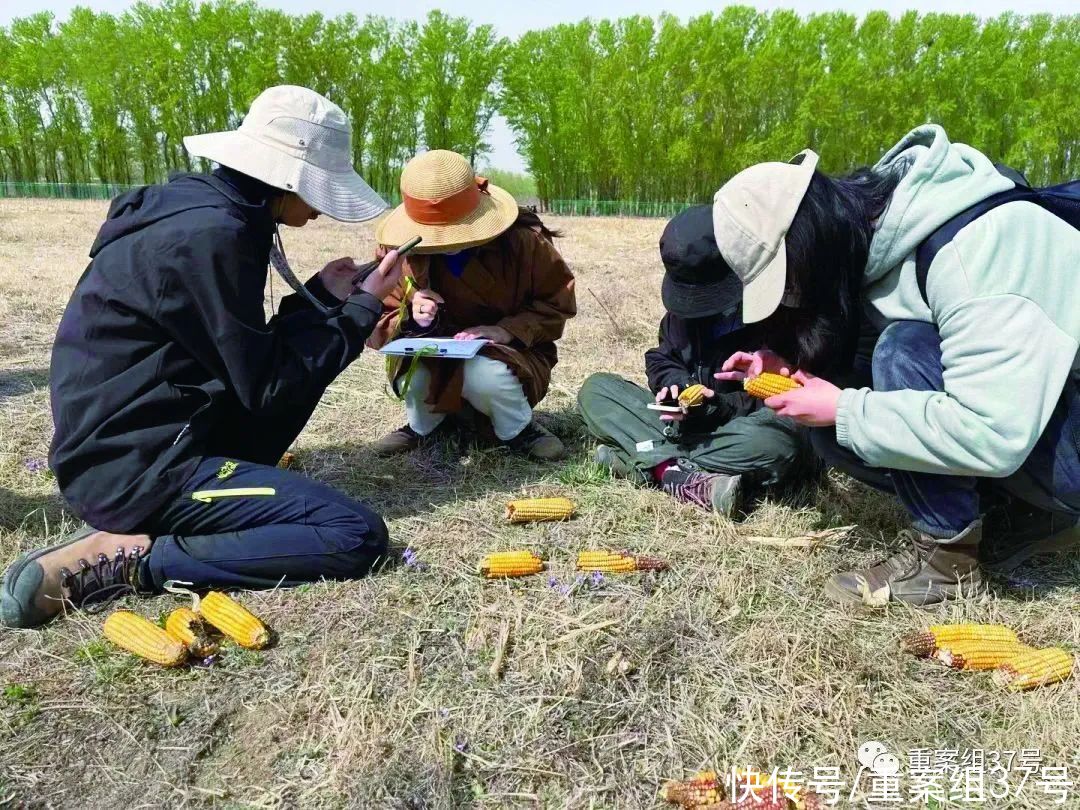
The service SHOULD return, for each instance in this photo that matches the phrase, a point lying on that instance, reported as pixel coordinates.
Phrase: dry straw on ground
(434, 688)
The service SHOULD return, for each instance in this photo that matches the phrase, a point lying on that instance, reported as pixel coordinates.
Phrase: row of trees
(630, 109)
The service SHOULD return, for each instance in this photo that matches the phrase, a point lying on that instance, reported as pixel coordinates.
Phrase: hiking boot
(37, 584)
(1017, 531)
(619, 465)
(925, 572)
(537, 442)
(714, 492)
(401, 440)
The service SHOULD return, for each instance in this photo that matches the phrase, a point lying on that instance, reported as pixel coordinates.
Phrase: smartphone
(367, 269)
(665, 408)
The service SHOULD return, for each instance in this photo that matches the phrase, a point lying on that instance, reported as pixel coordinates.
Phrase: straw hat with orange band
(446, 203)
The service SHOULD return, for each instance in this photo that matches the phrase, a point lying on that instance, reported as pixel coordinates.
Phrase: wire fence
(578, 208)
(616, 208)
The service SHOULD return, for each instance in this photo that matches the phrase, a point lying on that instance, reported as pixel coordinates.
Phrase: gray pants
(767, 448)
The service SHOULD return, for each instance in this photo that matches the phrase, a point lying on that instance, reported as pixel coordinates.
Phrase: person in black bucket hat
(732, 445)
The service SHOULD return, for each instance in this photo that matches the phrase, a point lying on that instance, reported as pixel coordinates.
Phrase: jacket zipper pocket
(209, 495)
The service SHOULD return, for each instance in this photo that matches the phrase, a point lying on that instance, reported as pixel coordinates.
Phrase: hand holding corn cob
(767, 385)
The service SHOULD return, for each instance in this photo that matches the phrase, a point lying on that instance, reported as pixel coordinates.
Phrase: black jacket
(164, 354)
(691, 351)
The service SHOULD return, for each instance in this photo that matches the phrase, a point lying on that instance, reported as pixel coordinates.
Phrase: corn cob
(766, 384)
(701, 791)
(530, 509)
(234, 620)
(1031, 668)
(692, 396)
(510, 564)
(618, 562)
(185, 626)
(925, 643)
(978, 654)
(144, 638)
(286, 460)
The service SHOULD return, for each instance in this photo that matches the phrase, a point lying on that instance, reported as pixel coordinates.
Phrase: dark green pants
(769, 448)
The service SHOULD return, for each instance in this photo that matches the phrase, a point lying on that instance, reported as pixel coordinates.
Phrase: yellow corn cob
(701, 791)
(1031, 668)
(144, 638)
(185, 626)
(978, 654)
(234, 620)
(617, 562)
(286, 460)
(693, 396)
(530, 509)
(510, 564)
(767, 384)
(925, 643)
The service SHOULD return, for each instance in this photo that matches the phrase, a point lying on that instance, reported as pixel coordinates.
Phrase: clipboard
(446, 348)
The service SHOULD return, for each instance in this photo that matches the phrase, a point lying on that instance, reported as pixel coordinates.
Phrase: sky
(511, 19)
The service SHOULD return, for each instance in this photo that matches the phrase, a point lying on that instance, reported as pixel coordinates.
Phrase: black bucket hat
(698, 282)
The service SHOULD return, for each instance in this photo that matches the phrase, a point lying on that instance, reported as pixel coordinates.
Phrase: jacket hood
(143, 206)
(939, 179)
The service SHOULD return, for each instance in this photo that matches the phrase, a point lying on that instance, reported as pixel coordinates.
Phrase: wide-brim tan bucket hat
(447, 204)
(296, 140)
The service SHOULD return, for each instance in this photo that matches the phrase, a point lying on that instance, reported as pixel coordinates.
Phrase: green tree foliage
(632, 109)
(110, 98)
(665, 110)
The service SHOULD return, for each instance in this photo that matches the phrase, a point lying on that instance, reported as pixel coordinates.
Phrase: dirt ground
(380, 692)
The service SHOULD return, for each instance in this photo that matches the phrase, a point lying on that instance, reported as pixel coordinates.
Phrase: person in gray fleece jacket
(967, 406)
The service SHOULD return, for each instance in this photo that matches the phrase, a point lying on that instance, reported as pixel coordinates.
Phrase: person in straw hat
(173, 398)
(486, 269)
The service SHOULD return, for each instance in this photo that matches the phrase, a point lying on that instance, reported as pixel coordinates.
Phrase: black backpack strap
(925, 253)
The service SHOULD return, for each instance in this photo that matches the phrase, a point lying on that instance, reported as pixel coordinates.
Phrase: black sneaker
(1016, 531)
(714, 492)
(537, 442)
(618, 463)
(401, 440)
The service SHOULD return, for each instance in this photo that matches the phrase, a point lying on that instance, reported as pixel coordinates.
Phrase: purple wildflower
(596, 579)
(36, 465)
(461, 745)
(412, 560)
(444, 713)
(553, 581)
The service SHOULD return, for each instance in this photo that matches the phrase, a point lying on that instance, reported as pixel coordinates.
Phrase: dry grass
(380, 693)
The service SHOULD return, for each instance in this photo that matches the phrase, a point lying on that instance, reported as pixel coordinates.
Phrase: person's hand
(813, 405)
(492, 334)
(383, 279)
(425, 306)
(673, 393)
(750, 364)
(337, 277)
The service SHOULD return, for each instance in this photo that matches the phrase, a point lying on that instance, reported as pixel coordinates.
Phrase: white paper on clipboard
(444, 347)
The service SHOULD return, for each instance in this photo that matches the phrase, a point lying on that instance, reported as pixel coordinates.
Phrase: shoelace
(104, 581)
(696, 489)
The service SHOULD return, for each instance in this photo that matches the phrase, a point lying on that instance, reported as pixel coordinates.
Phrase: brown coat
(517, 281)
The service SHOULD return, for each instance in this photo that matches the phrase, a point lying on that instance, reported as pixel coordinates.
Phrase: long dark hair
(828, 244)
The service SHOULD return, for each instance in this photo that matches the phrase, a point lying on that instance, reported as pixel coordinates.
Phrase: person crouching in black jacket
(713, 455)
(173, 398)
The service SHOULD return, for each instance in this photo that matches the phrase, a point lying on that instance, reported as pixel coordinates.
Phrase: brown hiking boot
(926, 572)
(537, 442)
(88, 567)
(401, 440)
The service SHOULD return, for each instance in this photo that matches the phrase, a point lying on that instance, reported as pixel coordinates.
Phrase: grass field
(380, 693)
